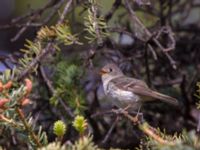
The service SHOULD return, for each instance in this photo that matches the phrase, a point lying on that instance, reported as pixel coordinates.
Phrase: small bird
(128, 92)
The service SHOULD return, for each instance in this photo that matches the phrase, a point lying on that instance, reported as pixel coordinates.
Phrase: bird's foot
(126, 108)
(135, 119)
(121, 110)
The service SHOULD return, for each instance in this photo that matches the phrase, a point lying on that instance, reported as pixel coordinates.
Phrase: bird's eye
(110, 69)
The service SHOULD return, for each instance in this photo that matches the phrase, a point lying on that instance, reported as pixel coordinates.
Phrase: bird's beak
(102, 72)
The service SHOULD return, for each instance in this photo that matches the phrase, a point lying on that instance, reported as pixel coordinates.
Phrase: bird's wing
(126, 82)
(140, 88)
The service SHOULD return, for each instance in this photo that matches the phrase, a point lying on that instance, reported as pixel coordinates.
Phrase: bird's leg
(127, 107)
(124, 109)
(135, 118)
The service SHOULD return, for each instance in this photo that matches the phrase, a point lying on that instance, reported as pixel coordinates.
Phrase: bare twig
(153, 52)
(53, 12)
(15, 22)
(172, 43)
(144, 126)
(19, 25)
(36, 12)
(115, 6)
(110, 131)
(21, 31)
(65, 11)
(52, 90)
(95, 24)
(147, 33)
(33, 16)
(198, 125)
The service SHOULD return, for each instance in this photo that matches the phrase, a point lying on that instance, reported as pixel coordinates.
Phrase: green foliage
(197, 94)
(67, 80)
(70, 74)
(186, 141)
(95, 24)
(7, 75)
(54, 146)
(80, 124)
(31, 50)
(59, 128)
(13, 97)
(46, 33)
(60, 33)
(64, 35)
(41, 135)
(84, 143)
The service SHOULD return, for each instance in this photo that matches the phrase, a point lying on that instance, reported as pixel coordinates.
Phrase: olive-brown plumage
(129, 91)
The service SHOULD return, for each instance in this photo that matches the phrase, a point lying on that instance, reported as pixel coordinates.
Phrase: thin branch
(28, 128)
(35, 12)
(65, 11)
(198, 125)
(52, 90)
(115, 6)
(35, 61)
(110, 131)
(14, 22)
(153, 52)
(146, 128)
(53, 12)
(49, 48)
(21, 31)
(147, 33)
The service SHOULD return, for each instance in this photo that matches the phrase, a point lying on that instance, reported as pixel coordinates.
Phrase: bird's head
(110, 71)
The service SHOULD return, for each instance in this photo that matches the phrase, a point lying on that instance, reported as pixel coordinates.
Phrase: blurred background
(174, 71)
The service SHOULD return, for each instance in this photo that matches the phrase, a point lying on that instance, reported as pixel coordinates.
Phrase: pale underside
(129, 91)
(121, 96)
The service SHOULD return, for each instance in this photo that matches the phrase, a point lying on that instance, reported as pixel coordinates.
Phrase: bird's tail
(165, 98)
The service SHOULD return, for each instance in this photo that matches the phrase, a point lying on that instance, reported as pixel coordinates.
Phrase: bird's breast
(122, 95)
